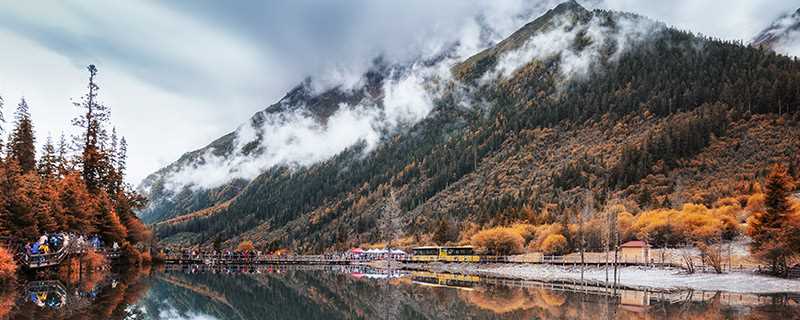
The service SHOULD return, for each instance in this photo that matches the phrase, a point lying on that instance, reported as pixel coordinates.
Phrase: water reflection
(98, 295)
(345, 292)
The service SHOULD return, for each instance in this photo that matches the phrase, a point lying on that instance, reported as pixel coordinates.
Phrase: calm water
(360, 293)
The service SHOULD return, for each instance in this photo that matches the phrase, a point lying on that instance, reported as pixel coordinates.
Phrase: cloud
(296, 138)
(725, 19)
(181, 73)
(559, 39)
(789, 44)
(172, 313)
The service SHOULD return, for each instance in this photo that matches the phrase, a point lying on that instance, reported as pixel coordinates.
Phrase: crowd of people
(47, 243)
(52, 243)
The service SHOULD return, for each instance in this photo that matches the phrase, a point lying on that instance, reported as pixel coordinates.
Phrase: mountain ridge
(782, 34)
(534, 141)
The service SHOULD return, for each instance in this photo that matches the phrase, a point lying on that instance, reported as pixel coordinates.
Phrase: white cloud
(179, 77)
(725, 19)
(295, 138)
(559, 40)
(174, 314)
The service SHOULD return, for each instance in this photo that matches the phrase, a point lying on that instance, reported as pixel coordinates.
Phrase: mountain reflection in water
(344, 292)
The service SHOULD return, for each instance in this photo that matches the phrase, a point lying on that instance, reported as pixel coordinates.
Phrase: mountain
(782, 35)
(576, 102)
(170, 198)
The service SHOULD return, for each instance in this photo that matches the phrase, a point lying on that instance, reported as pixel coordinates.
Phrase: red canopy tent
(356, 251)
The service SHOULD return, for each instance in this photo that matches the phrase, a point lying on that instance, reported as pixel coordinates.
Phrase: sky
(182, 73)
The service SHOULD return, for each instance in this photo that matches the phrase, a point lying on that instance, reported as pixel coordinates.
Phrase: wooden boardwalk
(70, 248)
(253, 259)
(239, 259)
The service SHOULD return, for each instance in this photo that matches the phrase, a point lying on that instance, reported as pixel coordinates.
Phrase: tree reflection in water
(98, 295)
(346, 293)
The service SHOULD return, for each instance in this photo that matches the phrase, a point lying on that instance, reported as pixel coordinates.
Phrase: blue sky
(179, 74)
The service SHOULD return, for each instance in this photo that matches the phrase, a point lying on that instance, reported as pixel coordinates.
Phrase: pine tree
(21, 145)
(78, 205)
(2, 122)
(108, 222)
(5, 217)
(48, 164)
(95, 114)
(32, 187)
(122, 157)
(62, 160)
(18, 205)
(769, 228)
(49, 197)
(126, 204)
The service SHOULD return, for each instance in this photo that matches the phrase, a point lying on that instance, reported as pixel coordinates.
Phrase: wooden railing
(236, 258)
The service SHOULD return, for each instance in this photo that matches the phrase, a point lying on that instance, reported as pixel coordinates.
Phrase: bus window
(426, 252)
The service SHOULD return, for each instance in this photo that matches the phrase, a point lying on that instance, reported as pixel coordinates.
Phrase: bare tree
(688, 260)
(711, 256)
(585, 212)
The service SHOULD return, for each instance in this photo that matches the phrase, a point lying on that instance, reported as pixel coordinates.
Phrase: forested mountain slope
(577, 102)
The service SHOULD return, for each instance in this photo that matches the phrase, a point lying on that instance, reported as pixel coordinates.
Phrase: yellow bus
(445, 254)
(445, 280)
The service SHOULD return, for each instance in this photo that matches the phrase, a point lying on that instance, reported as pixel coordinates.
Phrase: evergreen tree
(94, 116)
(62, 160)
(78, 205)
(32, 187)
(21, 145)
(2, 122)
(48, 164)
(769, 228)
(49, 197)
(5, 217)
(19, 205)
(109, 224)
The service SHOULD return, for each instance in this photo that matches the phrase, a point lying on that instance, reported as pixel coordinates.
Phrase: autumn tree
(770, 229)
(21, 144)
(108, 222)
(555, 244)
(78, 204)
(245, 246)
(499, 241)
(18, 205)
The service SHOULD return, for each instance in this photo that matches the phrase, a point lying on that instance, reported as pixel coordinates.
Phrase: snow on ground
(635, 277)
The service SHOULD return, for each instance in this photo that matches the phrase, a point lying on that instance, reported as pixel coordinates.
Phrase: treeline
(76, 186)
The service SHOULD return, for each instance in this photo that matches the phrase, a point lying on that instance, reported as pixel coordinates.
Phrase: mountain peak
(568, 6)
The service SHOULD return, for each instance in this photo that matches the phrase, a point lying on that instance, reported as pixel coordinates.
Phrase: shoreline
(654, 279)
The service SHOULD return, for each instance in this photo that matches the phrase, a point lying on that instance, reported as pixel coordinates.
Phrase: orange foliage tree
(499, 241)
(245, 246)
(774, 228)
(8, 267)
(554, 244)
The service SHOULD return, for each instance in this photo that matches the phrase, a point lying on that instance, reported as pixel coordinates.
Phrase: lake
(346, 292)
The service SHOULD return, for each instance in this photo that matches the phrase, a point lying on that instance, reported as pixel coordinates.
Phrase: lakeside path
(655, 279)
